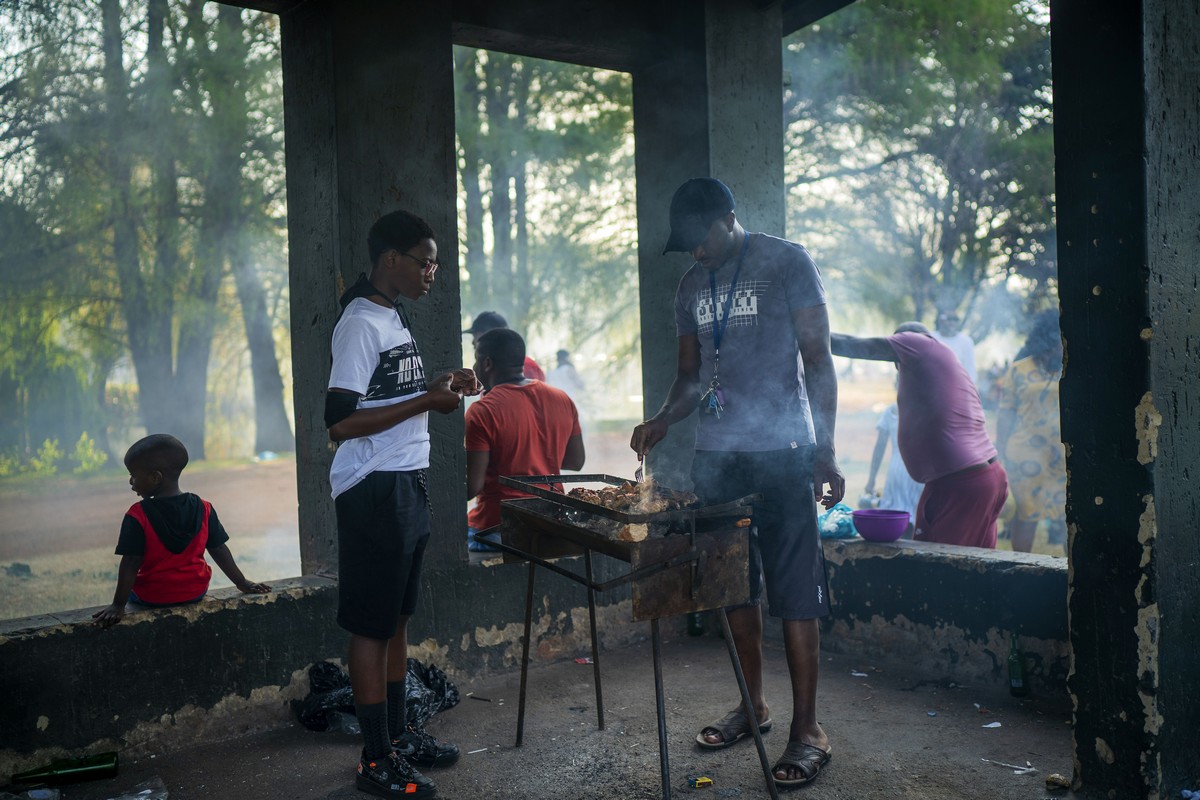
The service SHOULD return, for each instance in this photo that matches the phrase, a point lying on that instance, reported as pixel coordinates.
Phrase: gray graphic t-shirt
(766, 406)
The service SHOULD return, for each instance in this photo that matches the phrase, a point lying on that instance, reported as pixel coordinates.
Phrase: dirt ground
(893, 734)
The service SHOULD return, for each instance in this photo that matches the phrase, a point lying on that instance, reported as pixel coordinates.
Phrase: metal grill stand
(701, 570)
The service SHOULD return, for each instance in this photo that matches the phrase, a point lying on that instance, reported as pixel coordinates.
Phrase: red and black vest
(167, 577)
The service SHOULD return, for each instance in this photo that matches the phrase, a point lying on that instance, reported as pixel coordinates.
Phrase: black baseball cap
(696, 204)
(487, 321)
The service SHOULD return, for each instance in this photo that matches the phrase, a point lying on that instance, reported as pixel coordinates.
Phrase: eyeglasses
(428, 265)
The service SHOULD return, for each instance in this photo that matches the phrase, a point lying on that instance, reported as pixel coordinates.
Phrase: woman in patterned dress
(1029, 435)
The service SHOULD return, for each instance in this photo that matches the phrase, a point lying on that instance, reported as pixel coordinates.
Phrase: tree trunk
(272, 431)
(147, 318)
(523, 287)
(498, 76)
(222, 134)
(467, 99)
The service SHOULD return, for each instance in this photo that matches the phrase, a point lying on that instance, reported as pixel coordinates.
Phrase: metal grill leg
(748, 704)
(525, 655)
(663, 761)
(587, 558)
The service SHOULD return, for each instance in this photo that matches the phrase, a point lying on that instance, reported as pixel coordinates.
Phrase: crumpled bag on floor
(427, 691)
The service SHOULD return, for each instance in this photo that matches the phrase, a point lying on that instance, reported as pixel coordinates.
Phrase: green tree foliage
(920, 156)
(142, 152)
(546, 165)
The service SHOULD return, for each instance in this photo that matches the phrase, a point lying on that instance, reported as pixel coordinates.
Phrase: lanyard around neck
(721, 322)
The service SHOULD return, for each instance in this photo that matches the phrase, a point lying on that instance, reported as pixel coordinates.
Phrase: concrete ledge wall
(162, 677)
(948, 612)
(166, 678)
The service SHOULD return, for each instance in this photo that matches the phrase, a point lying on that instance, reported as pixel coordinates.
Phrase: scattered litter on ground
(700, 782)
(991, 725)
(982, 709)
(480, 750)
(931, 713)
(859, 674)
(1017, 770)
(1055, 781)
(153, 789)
(33, 794)
(474, 696)
(583, 661)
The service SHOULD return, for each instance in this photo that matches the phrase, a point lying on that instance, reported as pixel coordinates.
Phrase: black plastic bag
(427, 691)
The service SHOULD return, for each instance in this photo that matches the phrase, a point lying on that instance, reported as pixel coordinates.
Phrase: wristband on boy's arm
(338, 406)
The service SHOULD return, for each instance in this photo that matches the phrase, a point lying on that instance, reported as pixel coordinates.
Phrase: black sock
(372, 719)
(396, 708)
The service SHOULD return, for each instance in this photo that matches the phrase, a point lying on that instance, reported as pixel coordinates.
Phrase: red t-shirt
(525, 430)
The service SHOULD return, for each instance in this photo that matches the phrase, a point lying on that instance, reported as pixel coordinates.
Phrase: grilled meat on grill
(638, 498)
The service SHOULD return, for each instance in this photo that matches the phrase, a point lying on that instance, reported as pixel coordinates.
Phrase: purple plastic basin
(880, 524)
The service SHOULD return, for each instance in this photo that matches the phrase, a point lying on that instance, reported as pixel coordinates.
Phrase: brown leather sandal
(732, 728)
(807, 758)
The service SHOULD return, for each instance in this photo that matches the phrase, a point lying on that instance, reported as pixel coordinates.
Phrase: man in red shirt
(518, 427)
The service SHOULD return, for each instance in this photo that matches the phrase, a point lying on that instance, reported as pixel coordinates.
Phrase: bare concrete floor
(894, 736)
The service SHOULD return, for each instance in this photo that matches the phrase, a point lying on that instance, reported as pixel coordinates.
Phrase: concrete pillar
(1126, 145)
(381, 76)
(691, 120)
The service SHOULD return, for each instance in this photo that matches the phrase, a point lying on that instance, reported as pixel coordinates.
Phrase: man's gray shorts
(784, 543)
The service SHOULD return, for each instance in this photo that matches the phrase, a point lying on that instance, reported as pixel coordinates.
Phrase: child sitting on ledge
(163, 537)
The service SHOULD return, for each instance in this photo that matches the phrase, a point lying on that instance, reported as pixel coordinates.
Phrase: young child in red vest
(163, 537)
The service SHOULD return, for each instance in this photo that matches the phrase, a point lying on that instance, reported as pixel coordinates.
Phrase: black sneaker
(392, 776)
(422, 750)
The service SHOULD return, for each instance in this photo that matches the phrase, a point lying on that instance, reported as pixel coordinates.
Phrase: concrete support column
(1126, 99)
(370, 129)
(746, 109)
(692, 120)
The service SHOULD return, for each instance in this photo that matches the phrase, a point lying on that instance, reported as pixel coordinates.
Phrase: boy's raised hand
(440, 397)
(107, 617)
(250, 587)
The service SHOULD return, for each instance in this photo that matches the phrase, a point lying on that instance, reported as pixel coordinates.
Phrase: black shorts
(784, 543)
(383, 526)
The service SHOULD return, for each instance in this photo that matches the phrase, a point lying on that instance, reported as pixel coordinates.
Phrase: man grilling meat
(750, 306)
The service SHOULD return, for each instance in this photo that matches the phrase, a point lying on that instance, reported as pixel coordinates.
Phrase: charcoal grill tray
(529, 484)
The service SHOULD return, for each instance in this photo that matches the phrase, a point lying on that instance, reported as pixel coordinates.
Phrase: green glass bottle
(1017, 685)
(71, 770)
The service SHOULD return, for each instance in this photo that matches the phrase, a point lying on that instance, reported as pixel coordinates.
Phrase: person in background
(519, 427)
(164, 536)
(949, 332)
(377, 410)
(490, 321)
(942, 436)
(900, 491)
(1029, 435)
(564, 376)
(746, 310)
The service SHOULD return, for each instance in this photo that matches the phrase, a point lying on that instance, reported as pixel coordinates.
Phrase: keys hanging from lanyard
(712, 402)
